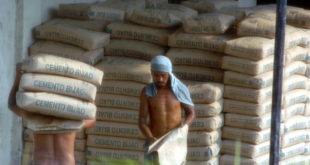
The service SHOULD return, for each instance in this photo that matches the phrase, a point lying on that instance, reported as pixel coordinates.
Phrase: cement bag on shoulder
(194, 57)
(59, 85)
(133, 48)
(214, 43)
(118, 101)
(93, 25)
(207, 123)
(128, 88)
(299, 17)
(248, 81)
(247, 94)
(198, 73)
(117, 115)
(213, 161)
(208, 23)
(172, 147)
(208, 110)
(49, 64)
(292, 138)
(83, 38)
(67, 51)
(56, 105)
(204, 153)
(248, 122)
(206, 92)
(230, 160)
(209, 6)
(247, 150)
(246, 108)
(121, 68)
(246, 135)
(200, 138)
(253, 48)
(120, 30)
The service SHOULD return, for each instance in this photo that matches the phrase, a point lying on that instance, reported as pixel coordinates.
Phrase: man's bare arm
(143, 115)
(190, 114)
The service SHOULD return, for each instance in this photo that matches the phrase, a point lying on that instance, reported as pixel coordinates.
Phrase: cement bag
(299, 17)
(75, 11)
(253, 48)
(204, 153)
(238, 13)
(56, 105)
(296, 123)
(120, 68)
(59, 85)
(80, 134)
(27, 135)
(308, 71)
(179, 56)
(248, 66)
(67, 51)
(209, 6)
(181, 11)
(230, 160)
(155, 3)
(172, 147)
(248, 81)
(299, 159)
(292, 151)
(83, 38)
(49, 64)
(128, 88)
(116, 129)
(296, 37)
(203, 138)
(307, 149)
(135, 49)
(245, 135)
(27, 159)
(207, 124)
(294, 97)
(80, 157)
(307, 109)
(79, 145)
(120, 30)
(87, 24)
(294, 110)
(247, 94)
(28, 148)
(206, 93)
(115, 143)
(296, 53)
(256, 27)
(295, 82)
(305, 38)
(308, 56)
(248, 122)
(101, 155)
(292, 138)
(207, 110)
(198, 74)
(118, 101)
(117, 115)
(213, 161)
(246, 108)
(247, 150)
(214, 43)
(296, 67)
(208, 23)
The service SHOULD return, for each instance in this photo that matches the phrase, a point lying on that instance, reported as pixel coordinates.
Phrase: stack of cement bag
(248, 91)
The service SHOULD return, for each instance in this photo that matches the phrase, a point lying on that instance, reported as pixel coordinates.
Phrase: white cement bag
(213, 161)
(244, 80)
(248, 66)
(206, 93)
(93, 25)
(179, 56)
(120, 30)
(248, 122)
(294, 82)
(292, 138)
(121, 68)
(209, 6)
(135, 49)
(207, 124)
(117, 115)
(67, 51)
(204, 153)
(247, 94)
(247, 150)
(27, 135)
(79, 157)
(56, 105)
(308, 71)
(28, 148)
(308, 56)
(44, 63)
(299, 17)
(80, 145)
(118, 101)
(198, 73)
(83, 38)
(296, 67)
(230, 160)
(209, 23)
(294, 97)
(296, 53)
(296, 123)
(294, 110)
(200, 138)
(307, 109)
(253, 48)
(214, 43)
(115, 143)
(246, 108)
(307, 149)
(245, 135)
(59, 85)
(299, 159)
(292, 151)
(207, 110)
(116, 129)
(238, 13)
(128, 88)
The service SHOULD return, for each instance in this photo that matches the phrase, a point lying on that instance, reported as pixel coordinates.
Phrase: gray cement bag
(203, 138)
(93, 25)
(117, 115)
(44, 63)
(213, 161)
(198, 74)
(59, 85)
(209, 6)
(246, 108)
(214, 43)
(56, 105)
(118, 101)
(67, 51)
(208, 110)
(75, 11)
(248, 122)
(206, 93)
(238, 13)
(248, 81)
(203, 153)
(194, 57)
(83, 38)
(247, 150)
(230, 160)
(121, 68)
(117, 143)
(133, 48)
(128, 88)
(207, 124)
(209, 23)
(120, 30)
(245, 135)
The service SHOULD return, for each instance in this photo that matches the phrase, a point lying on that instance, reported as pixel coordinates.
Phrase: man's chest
(164, 99)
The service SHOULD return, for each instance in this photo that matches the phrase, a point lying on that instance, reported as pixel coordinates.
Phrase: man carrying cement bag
(49, 149)
(162, 102)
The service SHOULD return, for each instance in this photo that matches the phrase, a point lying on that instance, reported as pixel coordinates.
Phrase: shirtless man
(163, 100)
(49, 149)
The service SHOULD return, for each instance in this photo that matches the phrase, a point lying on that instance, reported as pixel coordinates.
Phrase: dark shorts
(150, 159)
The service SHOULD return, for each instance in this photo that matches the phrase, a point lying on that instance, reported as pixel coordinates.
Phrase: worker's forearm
(146, 131)
(89, 123)
(189, 119)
